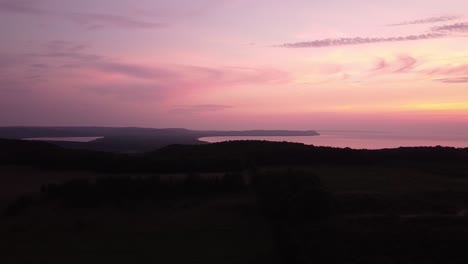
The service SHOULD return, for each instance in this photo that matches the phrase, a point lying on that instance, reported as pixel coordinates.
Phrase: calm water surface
(67, 139)
(360, 140)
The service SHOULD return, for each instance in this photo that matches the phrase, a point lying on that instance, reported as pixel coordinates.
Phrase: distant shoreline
(64, 139)
(129, 139)
(369, 141)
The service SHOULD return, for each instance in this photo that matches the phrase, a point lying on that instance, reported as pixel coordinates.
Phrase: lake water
(66, 139)
(359, 140)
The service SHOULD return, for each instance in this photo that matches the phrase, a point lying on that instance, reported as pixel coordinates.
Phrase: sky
(236, 64)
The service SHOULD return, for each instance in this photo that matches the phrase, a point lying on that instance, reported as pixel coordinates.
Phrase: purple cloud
(89, 20)
(453, 80)
(39, 66)
(29, 7)
(130, 92)
(64, 46)
(66, 50)
(189, 75)
(93, 21)
(133, 70)
(359, 41)
(199, 109)
(428, 20)
(8, 60)
(453, 28)
(158, 81)
(11, 85)
(136, 82)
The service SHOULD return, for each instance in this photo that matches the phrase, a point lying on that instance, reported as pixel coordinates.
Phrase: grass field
(382, 214)
(227, 230)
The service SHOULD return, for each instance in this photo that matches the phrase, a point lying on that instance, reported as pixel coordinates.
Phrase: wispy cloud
(453, 28)
(8, 85)
(72, 55)
(8, 60)
(94, 21)
(402, 64)
(29, 7)
(39, 66)
(359, 41)
(453, 80)
(449, 70)
(449, 74)
(428, 20)
(190, 75)
(199, 109)
(132, 70)
(413, 65)
(66, 50)
(130, 80)
(88, 20)
(64, 46)
(129, 92)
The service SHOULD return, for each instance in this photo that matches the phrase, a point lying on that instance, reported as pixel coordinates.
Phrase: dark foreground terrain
(233, 202)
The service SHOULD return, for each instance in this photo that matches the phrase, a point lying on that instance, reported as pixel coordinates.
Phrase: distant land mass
(133, 139)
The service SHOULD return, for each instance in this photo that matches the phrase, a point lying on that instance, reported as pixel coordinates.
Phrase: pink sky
(236, 64)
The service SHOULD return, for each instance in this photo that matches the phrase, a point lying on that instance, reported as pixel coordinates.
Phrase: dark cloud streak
(453, 28)
(133, 70)
(359, 41)
(59, 49)
(429, 20)
(199, 109)
(93, 21)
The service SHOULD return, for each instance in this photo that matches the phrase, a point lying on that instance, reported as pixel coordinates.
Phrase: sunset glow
(235, 64)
